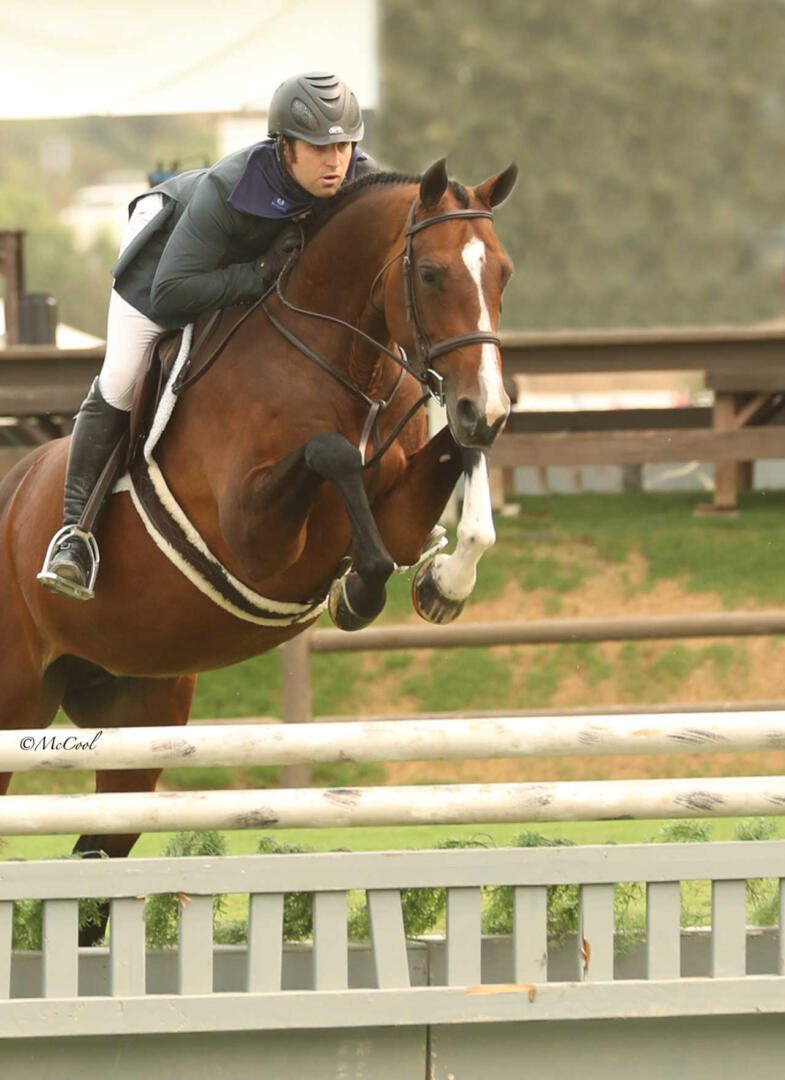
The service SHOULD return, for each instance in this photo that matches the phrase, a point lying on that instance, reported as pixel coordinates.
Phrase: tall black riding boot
(71, 562)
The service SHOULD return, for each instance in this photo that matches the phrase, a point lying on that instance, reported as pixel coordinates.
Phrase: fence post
(296, 699)
(12, 269)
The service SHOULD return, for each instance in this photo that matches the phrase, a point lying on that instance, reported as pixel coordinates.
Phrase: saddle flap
(161, 354)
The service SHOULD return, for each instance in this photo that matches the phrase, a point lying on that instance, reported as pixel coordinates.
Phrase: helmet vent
(304, 116)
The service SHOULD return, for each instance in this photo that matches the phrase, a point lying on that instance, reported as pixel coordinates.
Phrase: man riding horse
(200, 241)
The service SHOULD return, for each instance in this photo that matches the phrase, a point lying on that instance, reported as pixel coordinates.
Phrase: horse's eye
(428, 275)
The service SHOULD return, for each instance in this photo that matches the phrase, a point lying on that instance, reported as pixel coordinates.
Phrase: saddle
(160, 357)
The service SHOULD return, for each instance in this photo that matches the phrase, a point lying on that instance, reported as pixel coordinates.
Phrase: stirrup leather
(62, 586)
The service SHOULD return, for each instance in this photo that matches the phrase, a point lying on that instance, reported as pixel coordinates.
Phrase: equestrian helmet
(317, 107)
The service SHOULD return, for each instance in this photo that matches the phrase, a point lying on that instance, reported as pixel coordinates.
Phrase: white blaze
(473, 255)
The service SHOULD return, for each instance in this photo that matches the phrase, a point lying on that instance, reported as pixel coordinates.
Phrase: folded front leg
(274, 505)
(408, 512)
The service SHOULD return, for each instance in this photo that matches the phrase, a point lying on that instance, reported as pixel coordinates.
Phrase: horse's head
(451, 283)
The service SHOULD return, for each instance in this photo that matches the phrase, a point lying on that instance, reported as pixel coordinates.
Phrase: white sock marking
(456, 574)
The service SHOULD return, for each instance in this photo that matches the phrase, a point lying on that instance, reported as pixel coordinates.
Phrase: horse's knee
(331, 455)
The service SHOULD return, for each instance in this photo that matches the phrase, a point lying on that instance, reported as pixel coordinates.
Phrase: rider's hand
(272, 263)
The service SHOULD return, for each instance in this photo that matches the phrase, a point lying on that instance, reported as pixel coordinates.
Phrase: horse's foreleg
(442, 586)
(358, 597)
(274, 504)
(408, 512)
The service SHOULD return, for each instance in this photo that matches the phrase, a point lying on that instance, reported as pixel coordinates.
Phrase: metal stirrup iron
(60, 585)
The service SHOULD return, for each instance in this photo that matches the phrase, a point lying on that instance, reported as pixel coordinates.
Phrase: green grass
(738, 558)
(404, 838)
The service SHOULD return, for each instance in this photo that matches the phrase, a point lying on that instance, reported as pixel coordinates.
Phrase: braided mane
(326, 209)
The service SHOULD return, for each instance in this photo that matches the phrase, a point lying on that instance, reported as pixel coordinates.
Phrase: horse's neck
(337, 270)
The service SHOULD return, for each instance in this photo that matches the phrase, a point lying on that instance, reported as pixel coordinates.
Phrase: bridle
(425, 352)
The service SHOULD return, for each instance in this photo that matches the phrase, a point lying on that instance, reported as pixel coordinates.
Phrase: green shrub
(162, 912)
(297, 907)
(763, 894)
(563, 900)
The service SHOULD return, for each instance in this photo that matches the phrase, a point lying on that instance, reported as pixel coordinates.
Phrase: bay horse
(262, 456)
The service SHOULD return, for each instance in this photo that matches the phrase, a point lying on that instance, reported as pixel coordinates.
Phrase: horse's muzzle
(470, 427)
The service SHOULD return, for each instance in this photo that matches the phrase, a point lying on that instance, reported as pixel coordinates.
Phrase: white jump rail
(391, 740)
(280, 744)
(449, 804)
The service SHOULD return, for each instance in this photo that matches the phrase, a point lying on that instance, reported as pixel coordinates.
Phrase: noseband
(426, 352)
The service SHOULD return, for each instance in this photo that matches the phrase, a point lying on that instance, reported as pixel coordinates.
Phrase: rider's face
(318, 169)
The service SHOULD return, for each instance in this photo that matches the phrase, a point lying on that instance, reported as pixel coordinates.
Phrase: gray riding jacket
(198, 253)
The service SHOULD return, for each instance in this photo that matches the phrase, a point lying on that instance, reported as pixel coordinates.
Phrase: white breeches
(128, 331)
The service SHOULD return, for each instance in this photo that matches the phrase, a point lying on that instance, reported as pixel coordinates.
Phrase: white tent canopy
(106, 58)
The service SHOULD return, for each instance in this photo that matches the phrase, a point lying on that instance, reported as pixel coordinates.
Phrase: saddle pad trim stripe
(208, 575)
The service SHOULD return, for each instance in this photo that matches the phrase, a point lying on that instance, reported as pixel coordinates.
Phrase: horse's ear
(433, 184)
(496, 189)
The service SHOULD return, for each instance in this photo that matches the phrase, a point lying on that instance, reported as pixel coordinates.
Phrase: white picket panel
(265, 942)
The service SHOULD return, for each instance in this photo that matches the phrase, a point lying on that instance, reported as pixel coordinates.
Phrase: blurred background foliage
(33, 192)
(650, 137)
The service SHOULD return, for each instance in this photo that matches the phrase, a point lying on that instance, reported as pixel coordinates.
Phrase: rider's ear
(496, 189)
(433, 184)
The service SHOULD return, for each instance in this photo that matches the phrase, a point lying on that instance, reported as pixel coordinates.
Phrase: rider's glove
(269, 266)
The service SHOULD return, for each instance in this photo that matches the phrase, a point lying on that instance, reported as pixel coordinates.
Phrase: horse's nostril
(468, 414)
(497, 426)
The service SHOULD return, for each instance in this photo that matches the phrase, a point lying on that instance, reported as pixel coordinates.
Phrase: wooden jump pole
(391, 740)
(464, 804)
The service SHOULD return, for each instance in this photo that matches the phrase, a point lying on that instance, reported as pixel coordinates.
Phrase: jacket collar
(265, 189)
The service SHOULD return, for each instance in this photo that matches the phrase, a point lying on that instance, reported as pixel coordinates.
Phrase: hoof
(429, 603)
(340, 608)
